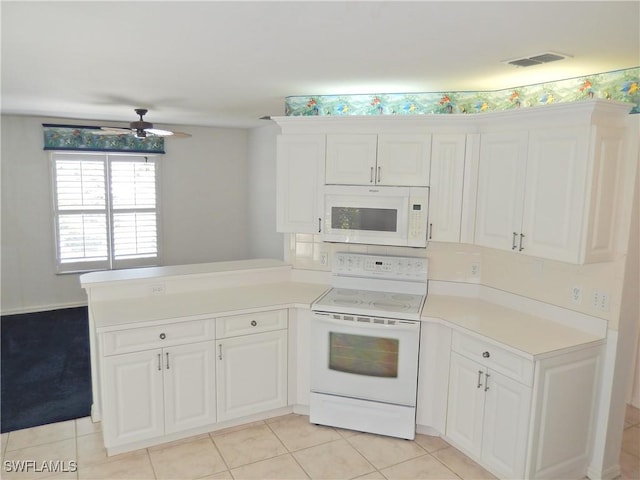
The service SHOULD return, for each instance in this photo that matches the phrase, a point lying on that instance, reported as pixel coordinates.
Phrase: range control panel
(380, 266)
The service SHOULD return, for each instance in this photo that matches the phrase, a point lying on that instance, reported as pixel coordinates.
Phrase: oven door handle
(401, 325)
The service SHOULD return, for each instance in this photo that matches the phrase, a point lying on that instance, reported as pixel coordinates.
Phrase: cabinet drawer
(145, 338)
(496, 358)
(236, 325)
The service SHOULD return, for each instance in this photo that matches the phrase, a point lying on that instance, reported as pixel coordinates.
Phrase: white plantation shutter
(105, 211)
(133, 200)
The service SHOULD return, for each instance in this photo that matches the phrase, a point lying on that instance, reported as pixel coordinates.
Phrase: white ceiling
(217, 63)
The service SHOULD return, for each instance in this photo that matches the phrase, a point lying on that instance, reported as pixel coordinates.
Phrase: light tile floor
(286, 447)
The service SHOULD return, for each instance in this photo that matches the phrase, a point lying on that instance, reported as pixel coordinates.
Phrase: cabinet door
(252, 374)
(555, 193)
(403, 160)
(351, 159)
(445, 189)
(506, 425)
(466, 404)
(500, 189)
(189, 386)
(300, 176)
(132, 397)
(607, 151)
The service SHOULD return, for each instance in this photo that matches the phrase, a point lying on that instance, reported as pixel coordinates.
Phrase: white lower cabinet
(161, 380)
(521, 418)
(156, 392)
(252, 367)
(252, 374)
(488, 416)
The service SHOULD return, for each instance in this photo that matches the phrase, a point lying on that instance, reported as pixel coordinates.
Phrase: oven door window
(364, 219)
(363, 355)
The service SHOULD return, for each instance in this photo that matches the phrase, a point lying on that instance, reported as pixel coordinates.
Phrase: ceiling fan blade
(158, 132)
(111, 131)
(181, 135)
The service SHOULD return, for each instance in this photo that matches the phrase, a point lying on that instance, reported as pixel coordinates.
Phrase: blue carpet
(45, 368)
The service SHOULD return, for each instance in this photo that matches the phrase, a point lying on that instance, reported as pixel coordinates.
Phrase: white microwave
(376, 215)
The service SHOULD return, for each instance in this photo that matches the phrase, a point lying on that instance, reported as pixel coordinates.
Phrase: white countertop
(525, 326)
(152, 273)
(132, 312)
(528, 335)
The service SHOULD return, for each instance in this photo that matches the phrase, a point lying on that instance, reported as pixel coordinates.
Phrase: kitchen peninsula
(187, 349)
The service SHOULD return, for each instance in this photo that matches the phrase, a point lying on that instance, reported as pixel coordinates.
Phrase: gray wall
(206, 197)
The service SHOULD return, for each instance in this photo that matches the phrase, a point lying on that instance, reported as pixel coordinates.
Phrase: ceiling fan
(141, 129)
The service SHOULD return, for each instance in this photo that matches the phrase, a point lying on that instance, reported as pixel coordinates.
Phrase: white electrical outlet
(324, 258)
(475, 270)
(576, 294)
(595, 299)
(601, 300)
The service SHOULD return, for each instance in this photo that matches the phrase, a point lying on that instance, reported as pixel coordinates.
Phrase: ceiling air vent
(536, 59)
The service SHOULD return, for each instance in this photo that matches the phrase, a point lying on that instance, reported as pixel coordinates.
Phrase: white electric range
(365, 337)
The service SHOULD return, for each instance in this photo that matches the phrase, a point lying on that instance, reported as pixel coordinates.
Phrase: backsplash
(558, 283)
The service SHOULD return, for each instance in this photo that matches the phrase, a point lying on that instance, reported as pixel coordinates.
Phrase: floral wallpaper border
(621, 85)
(83, 138)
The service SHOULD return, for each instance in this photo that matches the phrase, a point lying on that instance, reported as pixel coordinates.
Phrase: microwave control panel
(417, 224)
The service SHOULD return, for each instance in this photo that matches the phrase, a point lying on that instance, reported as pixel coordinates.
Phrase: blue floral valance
(621, 85)
(84, 138)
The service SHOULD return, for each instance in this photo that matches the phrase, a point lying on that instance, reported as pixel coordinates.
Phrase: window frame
(110, 262)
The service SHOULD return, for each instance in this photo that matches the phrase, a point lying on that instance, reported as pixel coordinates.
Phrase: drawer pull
(163, 336)
(479, 378)
(486, 381)
(486, 354)
(253, 323)
(159, 363)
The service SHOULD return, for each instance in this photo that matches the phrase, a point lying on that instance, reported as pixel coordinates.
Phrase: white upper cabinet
(446, 185)
(550, 192)
(403, 159)
(299, 182)
(555, 193)
(351, 159)
(501, 178)
(369, 159)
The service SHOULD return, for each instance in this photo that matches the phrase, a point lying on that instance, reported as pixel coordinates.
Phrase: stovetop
(371, 303)
(376, 285)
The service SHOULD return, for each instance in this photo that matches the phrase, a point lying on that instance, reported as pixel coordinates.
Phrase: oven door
(365, 358)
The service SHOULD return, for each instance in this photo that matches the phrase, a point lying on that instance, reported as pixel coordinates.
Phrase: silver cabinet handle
(379, 174)
(479, 378)
(513, 244)
(167, 360)
(159, 362)
(253, 323)
(521, 247)
(486, 354)
(163, 336)
(219, 351)
(319, 224)
(371, 176)
(486, 381)
(430, 231)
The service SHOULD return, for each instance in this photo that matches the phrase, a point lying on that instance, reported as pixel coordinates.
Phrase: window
(105, 211)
